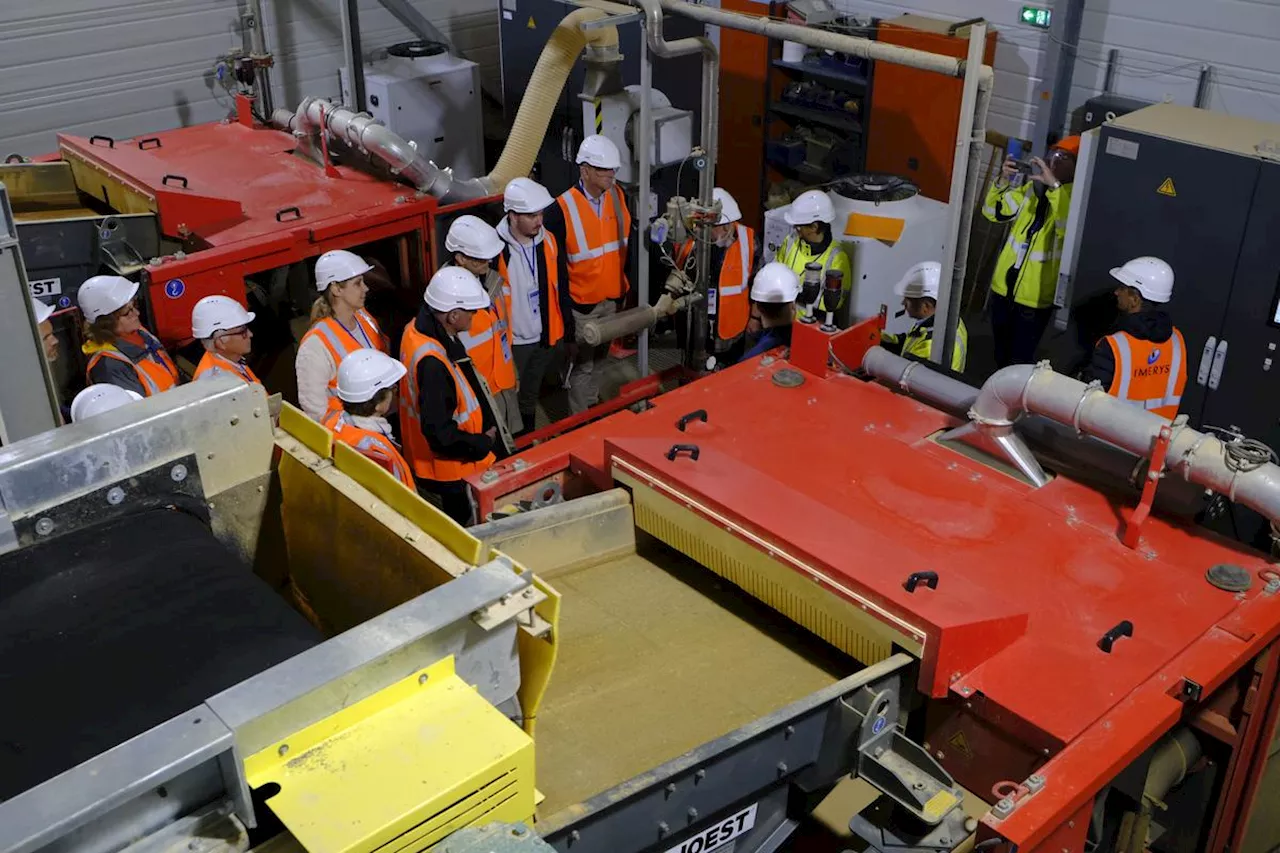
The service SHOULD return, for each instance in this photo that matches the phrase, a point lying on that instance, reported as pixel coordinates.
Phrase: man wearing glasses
(222, 325)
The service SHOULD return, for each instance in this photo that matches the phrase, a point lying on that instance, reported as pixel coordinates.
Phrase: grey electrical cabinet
(1202, 191)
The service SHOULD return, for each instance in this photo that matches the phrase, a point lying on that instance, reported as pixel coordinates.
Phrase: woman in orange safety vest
(121, 352)
(340, 325)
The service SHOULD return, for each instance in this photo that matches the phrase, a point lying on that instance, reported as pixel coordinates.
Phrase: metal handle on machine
(181, 181)
(148, 143)
(929, 579)
(93, 140)
(280, 214)
(1219, 361)
(1124, 629)
(1206, 360)
(677, 449)
(695, 415)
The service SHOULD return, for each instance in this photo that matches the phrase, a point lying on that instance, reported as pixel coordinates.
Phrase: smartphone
(1015, 151)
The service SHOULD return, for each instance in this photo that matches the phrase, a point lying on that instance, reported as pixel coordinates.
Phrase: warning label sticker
(1166, 188)
(961, 744)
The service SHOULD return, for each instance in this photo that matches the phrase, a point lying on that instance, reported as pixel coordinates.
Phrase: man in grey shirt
(541, 314)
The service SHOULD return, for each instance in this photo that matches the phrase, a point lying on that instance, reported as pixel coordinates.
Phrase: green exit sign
(1034, 16)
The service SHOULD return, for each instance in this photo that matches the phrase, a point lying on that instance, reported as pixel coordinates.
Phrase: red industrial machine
(1069, 640)
(235, 202)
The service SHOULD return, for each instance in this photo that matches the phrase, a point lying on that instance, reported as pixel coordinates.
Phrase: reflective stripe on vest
(744, 261)
(467, 401)
(377, 447)
(1020, 251)
(341, 343)
(156, 371)
(149, 385)
(1122, 383)
(580, 233)
(212, 365)
(414, 346)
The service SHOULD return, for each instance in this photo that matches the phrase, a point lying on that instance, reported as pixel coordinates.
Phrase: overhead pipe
(1082, 457)
(260, 57)
(882, 52)
(542, 94)
(707, 139)
(1198, 457)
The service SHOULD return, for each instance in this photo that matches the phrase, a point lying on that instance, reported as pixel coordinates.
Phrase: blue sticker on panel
(174, 288)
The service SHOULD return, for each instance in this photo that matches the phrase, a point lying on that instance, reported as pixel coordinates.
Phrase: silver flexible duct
(1199, 458)
(1081, 457)
(567, 42)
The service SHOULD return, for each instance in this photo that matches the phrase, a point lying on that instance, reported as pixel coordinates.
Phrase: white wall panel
(127, 67)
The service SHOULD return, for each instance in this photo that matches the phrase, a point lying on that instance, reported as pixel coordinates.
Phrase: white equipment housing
(871, 204)
(616, 117)
(434, 101)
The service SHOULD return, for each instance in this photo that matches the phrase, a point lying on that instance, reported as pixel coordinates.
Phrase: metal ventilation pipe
(361, 131)
(1200, 458)
(1081, 457)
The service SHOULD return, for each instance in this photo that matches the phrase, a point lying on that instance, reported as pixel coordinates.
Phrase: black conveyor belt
(109, 631)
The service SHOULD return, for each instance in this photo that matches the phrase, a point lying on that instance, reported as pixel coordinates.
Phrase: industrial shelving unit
(850, 126)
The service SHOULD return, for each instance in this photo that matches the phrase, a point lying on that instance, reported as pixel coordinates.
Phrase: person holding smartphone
(1026, 273)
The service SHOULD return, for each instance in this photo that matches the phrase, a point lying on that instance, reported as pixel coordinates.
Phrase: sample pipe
(596, 331)
(362, 132)
(258, 53)
(707, 139)
(1082, 457)
(1200, 458)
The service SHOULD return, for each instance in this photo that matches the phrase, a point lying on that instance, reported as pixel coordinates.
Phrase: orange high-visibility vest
(468, 415)
(732, 302)
(212, 365)
(156, 371)
(488, 342)
(341, 343)
(372, 444)
(595, 245)
(549, 268)
(1149, 375)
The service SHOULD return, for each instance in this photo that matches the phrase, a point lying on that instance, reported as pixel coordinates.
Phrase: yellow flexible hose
(564, 46)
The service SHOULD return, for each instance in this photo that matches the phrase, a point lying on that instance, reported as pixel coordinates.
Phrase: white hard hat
(43, 312)
(454, 287)
(96, 399)
(365, 372)
(599, 151)
(1151, 276)
(473, 237)
(809, 207)
(217, 314)
(776, 282)
(920, 281)
(103, 294)
(339, 265)
(524, 195)
(729, 210)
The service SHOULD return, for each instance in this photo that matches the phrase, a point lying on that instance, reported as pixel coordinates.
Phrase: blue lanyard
(531, 260)
(359, 328)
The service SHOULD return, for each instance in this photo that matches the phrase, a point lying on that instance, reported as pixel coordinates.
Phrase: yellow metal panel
(887, 228)
(834, 619)
(537, 653)
(410, 504)
(315, 436)
(111, 190)
(350, 557)
(399, 770)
